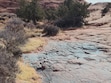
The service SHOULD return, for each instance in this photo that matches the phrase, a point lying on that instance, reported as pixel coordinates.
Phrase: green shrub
(30, 11)
(51, 14)
(74, 14)
(106, 9)
(69, 22)
(50, 30)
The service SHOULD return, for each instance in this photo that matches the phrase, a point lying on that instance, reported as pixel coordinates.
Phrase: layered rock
(96, 18)
(8, 5)
(83, 58)
(11, 5)
(53, 3)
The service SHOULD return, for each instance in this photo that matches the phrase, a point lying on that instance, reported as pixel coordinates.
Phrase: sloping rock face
(12, 5)
(96, 18)
(53, 3)
(8, 5)
(83, 58)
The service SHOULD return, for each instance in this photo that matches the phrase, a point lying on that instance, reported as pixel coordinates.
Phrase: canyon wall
(11, 5)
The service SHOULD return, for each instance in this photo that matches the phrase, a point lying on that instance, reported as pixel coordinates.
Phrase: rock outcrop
(85, 58)
(96, 18)
(53, 3)
(8, 5)
(12, 5)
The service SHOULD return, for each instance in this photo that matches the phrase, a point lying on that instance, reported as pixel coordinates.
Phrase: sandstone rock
(57, 67)
(12, 5)
(95, 18)
(75, 61)
(92, 67)
(8, 5)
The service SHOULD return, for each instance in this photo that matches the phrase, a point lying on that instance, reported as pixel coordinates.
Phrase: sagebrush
(10, 38)
(50, 30)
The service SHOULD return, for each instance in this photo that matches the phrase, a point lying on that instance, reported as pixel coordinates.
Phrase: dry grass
(2, 27)
(32, 44)
(27, 74)
(33, 32)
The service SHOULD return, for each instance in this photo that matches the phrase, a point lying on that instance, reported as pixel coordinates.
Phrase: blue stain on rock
(71, 62)
(65, 50)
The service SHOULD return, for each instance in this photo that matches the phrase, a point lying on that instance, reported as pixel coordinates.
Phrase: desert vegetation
(50, 30)
(11, 37)
(72, 13)
(11, 68)
(69, 14)
(30, 11)
(106, 9)
(24, 33)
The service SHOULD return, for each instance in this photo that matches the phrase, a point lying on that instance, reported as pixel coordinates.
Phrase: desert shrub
(51, 14)
(74, 14)
(50, 30)
(29, 25)
(106, 9)
(30, 11)
(8, 67)
(14, 35)
(69, 22)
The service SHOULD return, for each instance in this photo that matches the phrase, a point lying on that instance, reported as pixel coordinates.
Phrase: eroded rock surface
(83, 58)
(78, 56)
(12, 5)
(8, 5)
(54, 3)
(96, 18)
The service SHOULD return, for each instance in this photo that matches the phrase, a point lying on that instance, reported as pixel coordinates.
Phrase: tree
(21, 11)
(73, 14)
(62, 11)
(30, 11)
(68, 3)
(51, 14)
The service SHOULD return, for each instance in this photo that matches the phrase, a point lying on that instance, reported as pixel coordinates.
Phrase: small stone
(57, 67)
(88, 59)
(75, 61)
(109, 60)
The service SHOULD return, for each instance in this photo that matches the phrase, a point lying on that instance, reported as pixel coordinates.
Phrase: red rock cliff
(8, 5)
(11, 5)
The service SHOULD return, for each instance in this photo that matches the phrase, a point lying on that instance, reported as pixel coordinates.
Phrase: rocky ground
(75, 56)
(96, 18)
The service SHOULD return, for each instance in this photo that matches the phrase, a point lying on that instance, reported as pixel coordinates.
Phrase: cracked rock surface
(68, 62)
